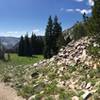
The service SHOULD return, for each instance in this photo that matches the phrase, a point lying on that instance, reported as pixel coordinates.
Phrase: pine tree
(21, 47)
(54, 38)
(33, 43)
(27, 46)
(85, 17)
(39, 45)
(58, 38)
(96, 16)
(2, 52)
(48, 39)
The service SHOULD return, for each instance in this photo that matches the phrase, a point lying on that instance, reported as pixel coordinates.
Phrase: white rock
(46, 81)
(60, 75)
(61, 50)
(86, 95)
(83, 85)
(84, 55)
(95, 66)
(32, 97)
(71, 86)
(59, 63)
(75, 98)
(52, 59)
(61, 69)
(88, 85)
(60, 54)
(76, 59)
(35, 65)
(60, 84)
(95, 45)
(58, 72)
(41, 92)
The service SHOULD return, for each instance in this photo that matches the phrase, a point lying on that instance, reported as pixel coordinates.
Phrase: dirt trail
(8, 93)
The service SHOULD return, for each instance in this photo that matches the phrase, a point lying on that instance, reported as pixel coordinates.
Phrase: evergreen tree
(85, 17)
(33, 43)
(96, 16)
(39, 45)
(21, 47)
(58, 38)
(54, 38)
(2, 52)
(27, 46)
(48, 39)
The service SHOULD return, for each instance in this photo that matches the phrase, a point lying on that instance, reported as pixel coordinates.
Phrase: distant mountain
(9, 42)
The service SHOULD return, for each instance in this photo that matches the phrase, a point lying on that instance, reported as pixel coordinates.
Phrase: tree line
(30, 46)
(54, 38)
(49, 45)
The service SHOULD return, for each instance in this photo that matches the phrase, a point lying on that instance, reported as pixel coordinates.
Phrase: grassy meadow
(16, 66)
(16, 60)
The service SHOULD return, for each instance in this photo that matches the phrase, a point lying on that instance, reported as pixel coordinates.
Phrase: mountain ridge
(9, 42)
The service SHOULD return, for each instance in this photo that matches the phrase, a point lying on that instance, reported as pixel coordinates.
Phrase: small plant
(95, 51)
(98, 69)
(92, 73)
(26, 91)
(51, 88)
(7, 78)
(72, 68)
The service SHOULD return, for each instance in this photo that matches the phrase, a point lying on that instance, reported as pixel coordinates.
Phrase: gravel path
(8, 93)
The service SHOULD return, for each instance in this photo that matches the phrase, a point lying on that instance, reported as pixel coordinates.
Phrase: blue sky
(20, 16)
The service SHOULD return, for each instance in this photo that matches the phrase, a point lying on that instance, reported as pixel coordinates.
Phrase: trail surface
(8, 93)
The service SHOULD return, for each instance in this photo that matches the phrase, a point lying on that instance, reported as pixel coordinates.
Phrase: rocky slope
(73, 74)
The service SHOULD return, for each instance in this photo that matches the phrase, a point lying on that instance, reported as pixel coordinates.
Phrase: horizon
(19, 17)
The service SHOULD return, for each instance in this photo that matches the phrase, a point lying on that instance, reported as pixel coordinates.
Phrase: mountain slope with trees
(70, 72)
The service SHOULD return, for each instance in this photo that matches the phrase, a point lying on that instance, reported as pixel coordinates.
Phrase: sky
(20, 16)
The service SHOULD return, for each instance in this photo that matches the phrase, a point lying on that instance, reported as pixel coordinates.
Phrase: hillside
(9, 42)
(73, 74)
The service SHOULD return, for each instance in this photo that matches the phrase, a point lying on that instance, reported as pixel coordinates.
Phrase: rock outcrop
(74, 53)
(72, 71)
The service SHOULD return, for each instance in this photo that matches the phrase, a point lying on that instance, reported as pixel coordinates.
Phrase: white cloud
(87, 11)
(91, 2)
(82, 11)
(19, 33)
(79, 0)
(12, 33)
(36, 30)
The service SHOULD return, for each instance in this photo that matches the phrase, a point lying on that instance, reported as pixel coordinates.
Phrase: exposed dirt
(8, 93)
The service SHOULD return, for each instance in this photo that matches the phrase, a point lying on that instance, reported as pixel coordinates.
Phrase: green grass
(18, 71)
(17, 65)
(16, 60)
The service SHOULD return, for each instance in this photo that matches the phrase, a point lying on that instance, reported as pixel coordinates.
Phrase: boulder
(87, 95)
